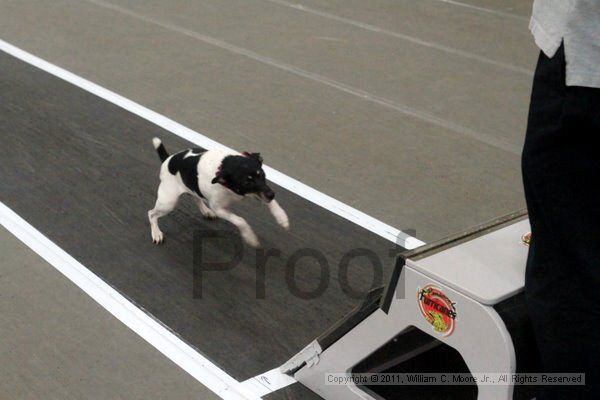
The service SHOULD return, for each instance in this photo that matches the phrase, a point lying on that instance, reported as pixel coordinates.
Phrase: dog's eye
(250, 177)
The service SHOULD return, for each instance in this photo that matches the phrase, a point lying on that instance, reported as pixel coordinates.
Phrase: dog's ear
(256, 156)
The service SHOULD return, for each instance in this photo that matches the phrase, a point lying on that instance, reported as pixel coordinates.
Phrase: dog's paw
(284, 223)
(251, 239)
(282, 219)
(209, 214)
(157, 237)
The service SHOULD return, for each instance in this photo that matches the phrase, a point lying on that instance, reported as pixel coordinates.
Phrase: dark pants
(561, 174)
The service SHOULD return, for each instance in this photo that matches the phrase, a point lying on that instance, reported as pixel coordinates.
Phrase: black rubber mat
(83, 171)
(296, 391)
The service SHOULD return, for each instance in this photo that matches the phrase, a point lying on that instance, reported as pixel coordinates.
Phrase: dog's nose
(270, 195)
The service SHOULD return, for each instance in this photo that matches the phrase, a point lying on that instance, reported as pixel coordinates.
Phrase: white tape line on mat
(268, 382)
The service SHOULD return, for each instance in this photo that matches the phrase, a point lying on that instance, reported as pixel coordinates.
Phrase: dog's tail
(160, 149)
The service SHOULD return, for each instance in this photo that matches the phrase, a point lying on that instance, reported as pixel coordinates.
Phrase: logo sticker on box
(437, 309)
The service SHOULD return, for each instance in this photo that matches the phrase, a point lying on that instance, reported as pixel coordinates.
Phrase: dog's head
(244, 175)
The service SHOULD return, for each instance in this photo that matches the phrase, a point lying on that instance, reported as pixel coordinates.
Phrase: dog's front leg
(245, 230)
(279, 214)
(204, 209)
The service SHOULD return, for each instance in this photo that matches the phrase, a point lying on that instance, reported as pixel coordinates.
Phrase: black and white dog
(216, 179)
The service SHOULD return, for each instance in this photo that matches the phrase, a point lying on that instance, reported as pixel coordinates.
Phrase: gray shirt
(577, 24)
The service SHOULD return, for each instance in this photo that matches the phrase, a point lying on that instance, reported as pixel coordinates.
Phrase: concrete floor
(420, 125)
(57, 343)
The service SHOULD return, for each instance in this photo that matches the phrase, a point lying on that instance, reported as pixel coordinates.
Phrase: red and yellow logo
(437, 309)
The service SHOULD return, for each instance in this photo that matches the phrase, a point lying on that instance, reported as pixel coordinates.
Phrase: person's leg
(561, 175)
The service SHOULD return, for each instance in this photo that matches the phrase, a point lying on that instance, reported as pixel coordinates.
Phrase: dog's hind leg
(204, 209)
(168, 194)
